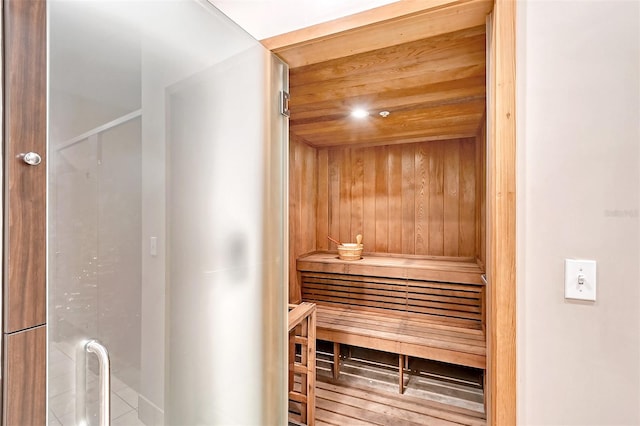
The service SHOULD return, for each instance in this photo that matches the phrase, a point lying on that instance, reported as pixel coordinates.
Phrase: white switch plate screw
(580, 279)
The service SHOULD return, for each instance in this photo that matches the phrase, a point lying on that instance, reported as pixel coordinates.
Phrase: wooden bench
(302, 332)
(426, 308)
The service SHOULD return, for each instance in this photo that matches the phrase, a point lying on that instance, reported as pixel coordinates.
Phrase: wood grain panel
(321, 43)
(451, 199)
(294, 215)
(358, 66)
(395, 199)
(501, 209)
(25, 187)
(432, 122)
(443, 269)
(434, 88)
(25, 383)
(439, 93)
(357, 194)
(303, 207)
(417, 199)
(322, 243)
(422, 199)
(345, 197)
(441, 59)
(334, 195)
(369, 202)
(436, 199)
(382, 199)
(466, 241)
(481, 193)
(407, 192)
(309, 197)
(337, 401)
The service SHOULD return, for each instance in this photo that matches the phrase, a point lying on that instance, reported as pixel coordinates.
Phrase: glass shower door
(166, 288)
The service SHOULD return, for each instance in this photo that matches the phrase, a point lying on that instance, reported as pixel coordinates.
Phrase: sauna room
(387, 233)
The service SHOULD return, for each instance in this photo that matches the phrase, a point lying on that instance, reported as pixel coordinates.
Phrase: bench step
(429, 308)
(399, 335)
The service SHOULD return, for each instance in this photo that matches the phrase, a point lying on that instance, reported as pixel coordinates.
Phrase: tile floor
(124, 400)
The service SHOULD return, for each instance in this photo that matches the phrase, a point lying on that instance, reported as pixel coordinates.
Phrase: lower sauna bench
(302, 370)
(426, 308)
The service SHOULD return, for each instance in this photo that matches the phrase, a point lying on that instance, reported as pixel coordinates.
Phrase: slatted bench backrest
(450, 302)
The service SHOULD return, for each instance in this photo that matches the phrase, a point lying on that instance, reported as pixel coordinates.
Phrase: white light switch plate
(573, 289)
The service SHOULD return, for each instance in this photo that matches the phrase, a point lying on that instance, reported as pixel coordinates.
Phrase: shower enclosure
(166, 207)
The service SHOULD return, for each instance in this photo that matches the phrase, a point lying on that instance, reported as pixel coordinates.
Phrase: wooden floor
(367, 392)
(340, 405)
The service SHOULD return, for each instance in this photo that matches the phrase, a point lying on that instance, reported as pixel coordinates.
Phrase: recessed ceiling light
(359, 113)
(384, 114)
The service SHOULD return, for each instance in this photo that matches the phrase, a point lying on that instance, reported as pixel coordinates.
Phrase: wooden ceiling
(433, 88)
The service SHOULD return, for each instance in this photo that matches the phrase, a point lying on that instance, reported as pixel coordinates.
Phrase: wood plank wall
(422, 198)
(303, 177)
(481, 193)
(417, 199)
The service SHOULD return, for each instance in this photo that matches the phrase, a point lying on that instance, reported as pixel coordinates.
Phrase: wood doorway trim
(413, 20)
(501, 217)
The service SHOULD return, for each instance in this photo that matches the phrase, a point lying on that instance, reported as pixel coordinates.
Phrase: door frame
(361, 32)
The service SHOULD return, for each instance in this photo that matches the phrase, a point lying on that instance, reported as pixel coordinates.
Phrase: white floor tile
(118, 407)
(63, 404)
(61, 384)
(68, 420)
(55, 355)
(130, 396)
(61, 367)
(117, 384)
(52, 420)
(129, 419)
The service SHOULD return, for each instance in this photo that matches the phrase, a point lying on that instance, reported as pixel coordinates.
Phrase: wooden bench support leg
(336, 360)
(292, 360)
(304, 377)
(401, 368)
(484, 389)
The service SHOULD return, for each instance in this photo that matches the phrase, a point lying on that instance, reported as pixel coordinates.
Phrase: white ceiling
(266, 18)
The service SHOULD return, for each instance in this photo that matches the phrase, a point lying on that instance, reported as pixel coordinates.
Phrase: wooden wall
(422, 198)
(481, 193)
(417, 199)
(303, 175)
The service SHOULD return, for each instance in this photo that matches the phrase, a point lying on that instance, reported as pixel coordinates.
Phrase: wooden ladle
(359, 239)
(334, 240)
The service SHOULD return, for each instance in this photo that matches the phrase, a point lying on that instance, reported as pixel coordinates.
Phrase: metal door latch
(284, 104)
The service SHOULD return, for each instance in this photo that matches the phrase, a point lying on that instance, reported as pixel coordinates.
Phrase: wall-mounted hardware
(31, 158)
(580, 279)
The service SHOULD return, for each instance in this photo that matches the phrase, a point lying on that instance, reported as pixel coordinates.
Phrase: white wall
(578, 66)
(289, 15)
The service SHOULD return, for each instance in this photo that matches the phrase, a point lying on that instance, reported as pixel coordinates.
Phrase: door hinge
(284, 103)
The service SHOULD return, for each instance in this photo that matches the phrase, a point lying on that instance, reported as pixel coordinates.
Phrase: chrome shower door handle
(104, 364)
